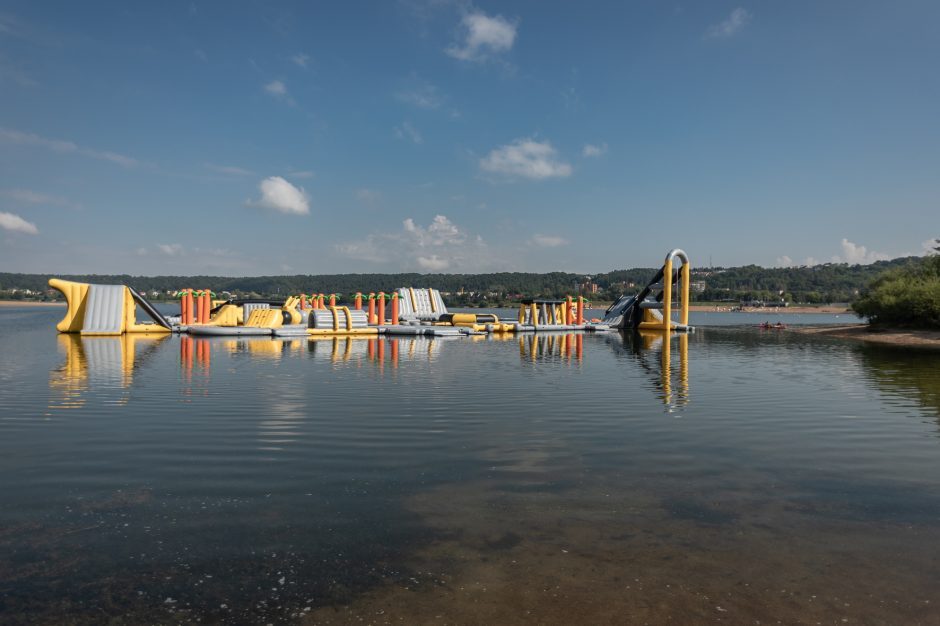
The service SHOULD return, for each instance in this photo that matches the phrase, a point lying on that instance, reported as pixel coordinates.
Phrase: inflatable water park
(108, 310)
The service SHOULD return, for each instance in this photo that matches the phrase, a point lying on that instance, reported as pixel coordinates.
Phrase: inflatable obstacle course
(105, 310)
(112, 310)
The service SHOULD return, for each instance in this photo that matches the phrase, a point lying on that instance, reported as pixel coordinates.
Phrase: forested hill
(831, 282)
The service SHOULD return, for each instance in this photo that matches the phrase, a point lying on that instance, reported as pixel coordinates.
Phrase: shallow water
(736, 475)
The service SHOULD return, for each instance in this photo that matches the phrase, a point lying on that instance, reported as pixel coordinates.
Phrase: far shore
(772, 310)
(28, 303)
(929, 339)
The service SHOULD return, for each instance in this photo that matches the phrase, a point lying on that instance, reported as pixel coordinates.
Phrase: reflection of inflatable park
(98, 363)
(665, 357)
(111, 310)
(196, 352)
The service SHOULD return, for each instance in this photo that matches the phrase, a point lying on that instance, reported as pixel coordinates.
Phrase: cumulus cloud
(483, 36)
(548, 241)
(16, 224)
(407, 131)
(367, 196)
(279, 195)
(300, 59)
(591, 150)
(276, 88)
(855, 254)
(930, 246)
(734, 22)
(433, 263)
(421, 94)
(63, 147)
(436, 247)
(170, 249)
(526, 158)
(852, 253)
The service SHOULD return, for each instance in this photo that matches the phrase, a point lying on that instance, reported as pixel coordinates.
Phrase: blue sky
(266, 138)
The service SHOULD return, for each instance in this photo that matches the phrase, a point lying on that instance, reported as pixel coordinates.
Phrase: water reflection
(551, 348)
(645, 347)
(98, 363)
(913, 375)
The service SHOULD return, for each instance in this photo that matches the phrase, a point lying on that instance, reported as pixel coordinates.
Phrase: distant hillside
(831, 282)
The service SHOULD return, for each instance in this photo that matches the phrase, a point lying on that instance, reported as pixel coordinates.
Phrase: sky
(254, 138)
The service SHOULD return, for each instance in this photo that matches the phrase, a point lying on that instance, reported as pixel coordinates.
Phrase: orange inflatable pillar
(332, 299)
(381, 298)
(580, 313)
(303, 302)
(187, 307)
(395, 312)
(183, 312)
(372, 309)
(320, 298)
(569, 311)
(358, 304)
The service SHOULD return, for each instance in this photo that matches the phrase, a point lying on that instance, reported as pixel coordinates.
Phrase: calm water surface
(735, 476)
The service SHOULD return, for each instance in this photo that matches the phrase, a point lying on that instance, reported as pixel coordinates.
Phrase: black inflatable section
(149, 309)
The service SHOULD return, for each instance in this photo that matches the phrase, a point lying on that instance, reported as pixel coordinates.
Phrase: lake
(734, 475)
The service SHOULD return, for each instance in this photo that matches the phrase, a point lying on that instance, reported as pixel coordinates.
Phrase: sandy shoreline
(929, 339)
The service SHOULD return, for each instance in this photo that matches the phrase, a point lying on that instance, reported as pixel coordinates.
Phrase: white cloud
(229, 170)
(170, 249)
(735, 22)
(421, 94)
(852, 253)
(548, 241)
(16, 224)
(482, 37)
(63, 147)
(433, 263)
(279, 195)
(27, 196)
(276, 88)
(526, 158)
(407, 131)
(439, 246)
(367, 196)
(300, 59)
(592, 150)
(930, 246)
(857, 254)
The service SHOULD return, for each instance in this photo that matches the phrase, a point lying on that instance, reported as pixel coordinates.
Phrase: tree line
(831, 282)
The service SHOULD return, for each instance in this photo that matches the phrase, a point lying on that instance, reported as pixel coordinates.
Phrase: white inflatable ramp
(421, 304)
(104, 310)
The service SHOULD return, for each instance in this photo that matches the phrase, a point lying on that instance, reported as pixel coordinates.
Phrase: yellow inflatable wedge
(105, 310)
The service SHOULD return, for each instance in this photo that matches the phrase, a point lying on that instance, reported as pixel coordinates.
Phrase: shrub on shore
(907, 297)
